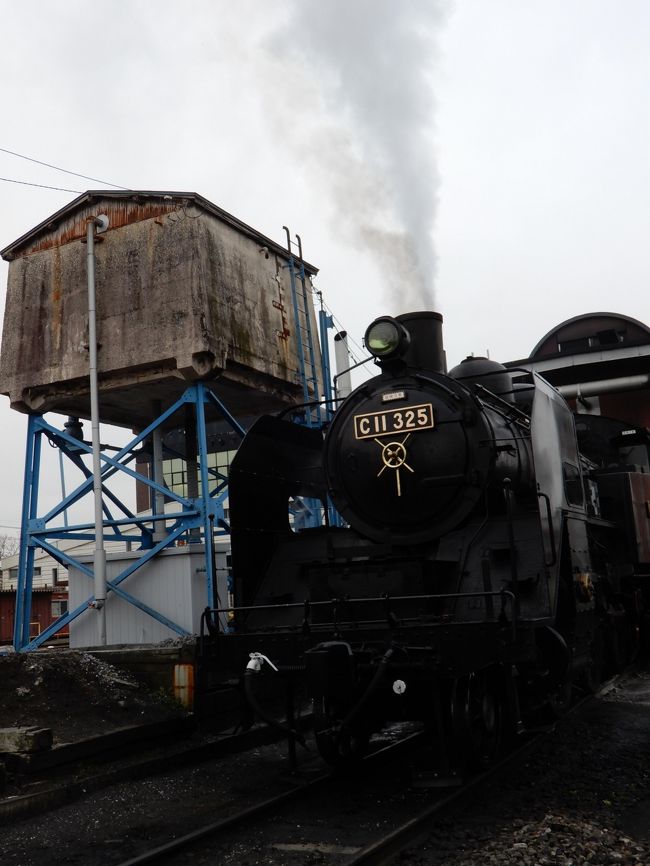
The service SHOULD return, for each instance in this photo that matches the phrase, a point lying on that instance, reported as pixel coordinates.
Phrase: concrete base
(25, 739)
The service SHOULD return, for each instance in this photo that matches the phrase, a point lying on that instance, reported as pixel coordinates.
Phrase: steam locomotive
(492, 551)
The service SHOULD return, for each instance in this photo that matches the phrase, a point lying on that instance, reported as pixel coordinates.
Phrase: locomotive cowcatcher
(494, 551)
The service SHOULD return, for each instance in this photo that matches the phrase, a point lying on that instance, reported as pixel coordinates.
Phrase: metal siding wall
(173, 584)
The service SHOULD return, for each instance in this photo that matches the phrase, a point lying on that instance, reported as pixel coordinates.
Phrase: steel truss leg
(201, 513)
(26, 557)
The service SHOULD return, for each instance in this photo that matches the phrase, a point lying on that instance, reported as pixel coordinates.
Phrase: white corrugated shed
(173, 583)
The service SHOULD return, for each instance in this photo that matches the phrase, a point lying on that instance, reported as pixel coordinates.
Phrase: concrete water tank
(185, 292)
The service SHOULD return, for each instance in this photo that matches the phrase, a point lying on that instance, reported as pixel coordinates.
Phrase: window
(59, 577)
(175, 471)
(13, 573)
(59, 607)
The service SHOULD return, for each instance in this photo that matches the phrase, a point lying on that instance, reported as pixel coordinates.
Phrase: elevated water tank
(185, 291)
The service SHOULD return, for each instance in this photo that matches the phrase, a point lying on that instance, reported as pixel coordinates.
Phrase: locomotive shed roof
(603, 355)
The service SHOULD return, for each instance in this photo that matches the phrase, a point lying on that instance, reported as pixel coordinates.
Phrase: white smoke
(371, 64)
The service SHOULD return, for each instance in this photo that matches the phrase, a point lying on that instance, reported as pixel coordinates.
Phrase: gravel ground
(112, 824)
(584, 798)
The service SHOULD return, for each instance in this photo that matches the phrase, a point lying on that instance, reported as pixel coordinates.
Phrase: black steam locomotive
(496, 550)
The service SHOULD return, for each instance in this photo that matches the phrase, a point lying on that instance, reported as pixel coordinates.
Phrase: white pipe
(605, 386)
(159, 531)
(343, 378)
(101, 223)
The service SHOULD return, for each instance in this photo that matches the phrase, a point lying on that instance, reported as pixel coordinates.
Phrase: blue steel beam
(212, 398)
(115, 463)
(205, 494)
(326, 322)
(111, 586)
(23, 608)
(123, 522)
(205, 513)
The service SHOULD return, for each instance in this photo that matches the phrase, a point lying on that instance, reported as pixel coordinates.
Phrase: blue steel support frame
(326, 323)
(309, 512)
(206, 513)
(300, 347)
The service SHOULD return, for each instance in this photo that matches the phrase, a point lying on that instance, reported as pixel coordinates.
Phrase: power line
(41, 185)
(339, 324)
(58, 168)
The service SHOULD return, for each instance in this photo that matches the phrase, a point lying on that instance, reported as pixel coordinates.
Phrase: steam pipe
(605, 386)
(347, 372)
(101, 224)
(342, 355)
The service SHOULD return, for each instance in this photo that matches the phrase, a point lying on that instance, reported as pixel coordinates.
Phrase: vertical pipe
(159, 530)
(514, 575)
(100, 551)
(342, 354)
(191, 472)
(206, 502)
(325, 323)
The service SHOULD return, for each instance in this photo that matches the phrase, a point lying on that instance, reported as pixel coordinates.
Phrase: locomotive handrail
(551, 532)
(501, 593)
(508, 410)
(301, 604)
(289, 409)
(421, 377)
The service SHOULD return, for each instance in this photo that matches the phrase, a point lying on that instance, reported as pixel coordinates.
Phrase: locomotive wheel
(337, 747)
(477, 718)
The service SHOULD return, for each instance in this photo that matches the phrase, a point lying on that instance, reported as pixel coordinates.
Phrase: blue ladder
(308, 369)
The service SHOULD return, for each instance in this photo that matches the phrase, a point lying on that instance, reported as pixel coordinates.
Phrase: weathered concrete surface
(25, 739)
(184, 292)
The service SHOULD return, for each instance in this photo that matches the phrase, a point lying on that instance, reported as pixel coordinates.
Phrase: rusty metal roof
(151, 202)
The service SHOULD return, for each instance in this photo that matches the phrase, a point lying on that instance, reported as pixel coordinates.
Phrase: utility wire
(58, 168)
(41, 185)
(339, 325)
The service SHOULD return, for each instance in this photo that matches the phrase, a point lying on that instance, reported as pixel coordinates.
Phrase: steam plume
(373, 60)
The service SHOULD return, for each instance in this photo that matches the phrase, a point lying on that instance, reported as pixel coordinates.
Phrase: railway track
(272, 816)
(333, 818)
(67, 784)
(322, 820)
(308, 793)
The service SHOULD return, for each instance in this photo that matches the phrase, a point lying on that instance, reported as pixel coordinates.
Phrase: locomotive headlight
(386, 338)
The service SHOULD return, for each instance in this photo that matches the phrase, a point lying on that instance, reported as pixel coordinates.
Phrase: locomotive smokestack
(426, 350)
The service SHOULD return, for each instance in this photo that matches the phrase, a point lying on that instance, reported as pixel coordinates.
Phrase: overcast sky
(486, 158)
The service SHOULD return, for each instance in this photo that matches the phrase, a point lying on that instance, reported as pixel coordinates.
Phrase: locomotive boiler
(474, 563)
